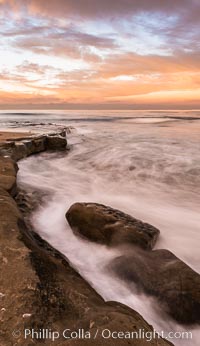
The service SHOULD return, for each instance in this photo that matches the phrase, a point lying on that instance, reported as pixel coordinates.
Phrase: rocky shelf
(39, 289)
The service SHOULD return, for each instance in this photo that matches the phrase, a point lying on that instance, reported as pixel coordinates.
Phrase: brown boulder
(161, 274)
(105, 225)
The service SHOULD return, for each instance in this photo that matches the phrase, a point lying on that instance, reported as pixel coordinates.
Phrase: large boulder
(105, 225)
(161, 274)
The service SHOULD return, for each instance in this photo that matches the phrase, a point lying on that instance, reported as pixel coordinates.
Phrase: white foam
(152, 177)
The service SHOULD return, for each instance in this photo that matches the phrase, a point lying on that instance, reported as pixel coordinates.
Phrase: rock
(28, 147)
(56, 142)
(7, 145)
(35, 145)
(9, 184)
(16, 270)
(10, 214)
(66, 296)
(8, 166)
(39, 144)
(19, 151)
(25, 146)
(105, 225)
(62, 133)
(161, 274)
(8, 171)
(36, 278)
(6, 148)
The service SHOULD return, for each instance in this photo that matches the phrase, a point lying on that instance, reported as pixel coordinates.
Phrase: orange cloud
(79, 52)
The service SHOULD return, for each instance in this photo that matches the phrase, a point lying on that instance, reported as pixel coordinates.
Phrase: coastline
(39, 287)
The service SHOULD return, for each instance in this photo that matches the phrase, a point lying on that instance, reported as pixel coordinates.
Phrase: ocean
(144, 163)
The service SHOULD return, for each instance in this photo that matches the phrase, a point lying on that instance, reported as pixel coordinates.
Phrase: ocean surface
(145, 163)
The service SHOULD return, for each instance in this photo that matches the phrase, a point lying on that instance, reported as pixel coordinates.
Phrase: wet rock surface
(26, 146)
(109, 226)
(67, 299)
(161, 274)
(56, 142)
(158, 273)
(39, 289)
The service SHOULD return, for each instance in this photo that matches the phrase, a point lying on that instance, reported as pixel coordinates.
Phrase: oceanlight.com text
(48, 334)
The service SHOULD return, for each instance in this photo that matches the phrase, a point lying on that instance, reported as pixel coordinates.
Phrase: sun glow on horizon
(65, 53)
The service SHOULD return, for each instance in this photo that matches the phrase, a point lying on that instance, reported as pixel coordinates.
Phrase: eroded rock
(56, 142)
(163, 275)
(109, 226)
(8, 171)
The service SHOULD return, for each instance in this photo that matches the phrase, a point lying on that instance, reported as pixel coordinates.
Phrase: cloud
(105, 51)
(95, 8)
(54, 39)
(132, 63)
(103, 8)
(13, 98)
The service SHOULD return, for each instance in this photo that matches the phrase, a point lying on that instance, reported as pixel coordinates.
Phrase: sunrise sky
(100, 54)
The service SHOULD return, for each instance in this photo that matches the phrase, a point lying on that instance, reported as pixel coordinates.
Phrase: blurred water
(144, 163)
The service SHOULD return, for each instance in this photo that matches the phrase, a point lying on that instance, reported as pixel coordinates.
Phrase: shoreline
(39, 287)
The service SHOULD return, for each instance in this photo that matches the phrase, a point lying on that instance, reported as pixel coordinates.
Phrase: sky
(101, 54)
